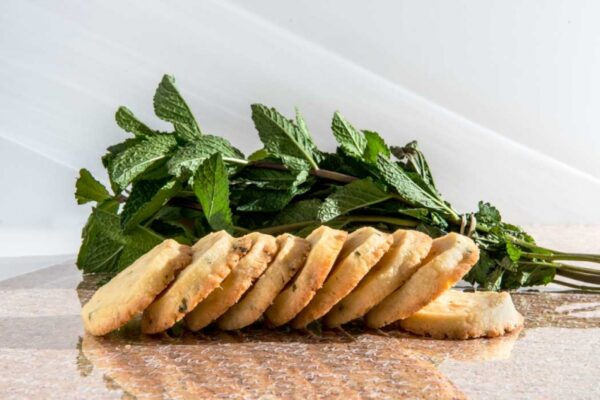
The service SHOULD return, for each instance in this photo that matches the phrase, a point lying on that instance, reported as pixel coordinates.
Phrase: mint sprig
(184, 184)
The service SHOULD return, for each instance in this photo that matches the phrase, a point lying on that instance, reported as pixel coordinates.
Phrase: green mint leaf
(129, 123)
(393, 175)
(300, 211)
(139, 157)
(417, 213)
(433, 231)
(263, 200)
(259, 155)
(170, 106)
(513, 251)
(105, 248)
(102, 243)
(189, 158)
(375, 146)
(284, 139)
(271, 178)
(137, 243)
(480, 271)
(507, 264)
(211, 186)
(533, 276)
(116, 149)
(488, 214)
(87, 188)
(354, 195)
(494, 280)
(147, 198)
(351, 140)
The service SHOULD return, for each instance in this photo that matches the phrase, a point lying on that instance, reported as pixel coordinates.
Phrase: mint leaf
(284, 139)
(102, 243)
(350, 139)
(170, 106)
(87, 188)
(375, 146)
(513, 251)
(146, 198)
(137, 243)
(258, 155)
(393, 175)
(494, 280)
(488, 214)
(263, 200)
(139, 157)
(189, 158)
(414, 161)
(417, 213)
(355, 195)
(271, 178)
(300, 211)
(128, 122)
(363, 146)
(105, 248)
(211, 186)
(480, 271)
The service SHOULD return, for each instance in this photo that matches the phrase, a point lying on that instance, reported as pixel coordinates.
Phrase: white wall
(501, 95)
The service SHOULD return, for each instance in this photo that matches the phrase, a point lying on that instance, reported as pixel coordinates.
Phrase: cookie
(214, 256)
(326, 244)
(134, 288)
(450, 258)
(462, 315)
(250, 267)
(362, 250)
(395, 267)
(291, 256)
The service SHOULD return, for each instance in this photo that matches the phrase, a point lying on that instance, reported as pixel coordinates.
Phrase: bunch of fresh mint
(183, 184)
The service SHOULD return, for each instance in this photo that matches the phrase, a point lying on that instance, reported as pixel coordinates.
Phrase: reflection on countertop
(44, 353)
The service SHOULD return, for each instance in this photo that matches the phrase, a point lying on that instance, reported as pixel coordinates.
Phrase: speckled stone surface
(44, 353)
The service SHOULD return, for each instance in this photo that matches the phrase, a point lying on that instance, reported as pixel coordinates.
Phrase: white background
(503, 96)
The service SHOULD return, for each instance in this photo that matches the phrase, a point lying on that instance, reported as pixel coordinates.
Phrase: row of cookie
(330, 274)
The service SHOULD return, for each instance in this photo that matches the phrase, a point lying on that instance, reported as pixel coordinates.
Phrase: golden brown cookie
(362, 250)
(291, 256)
(250, 267)
(214, 256)
(462, 315)
(326, 244)
(134, 288)
(450, 258)
(395, 267)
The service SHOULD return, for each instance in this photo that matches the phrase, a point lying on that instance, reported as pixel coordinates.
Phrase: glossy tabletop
(44, 353)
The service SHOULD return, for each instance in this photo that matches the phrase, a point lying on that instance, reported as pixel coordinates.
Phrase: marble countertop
(44, 353)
